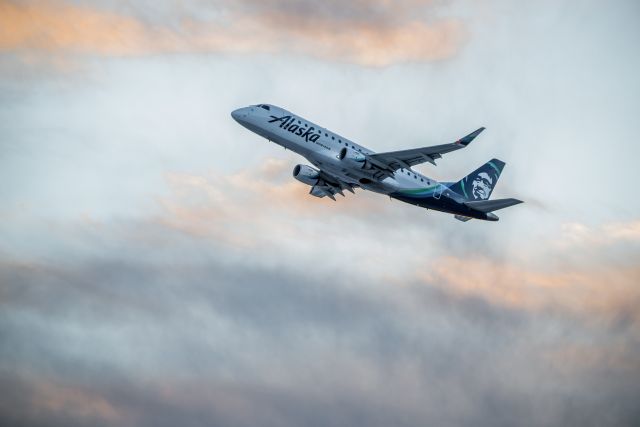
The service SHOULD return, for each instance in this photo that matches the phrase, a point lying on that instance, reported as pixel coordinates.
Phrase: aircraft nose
(239, 114)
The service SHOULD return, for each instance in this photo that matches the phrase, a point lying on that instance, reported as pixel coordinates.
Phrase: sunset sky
(159, 266)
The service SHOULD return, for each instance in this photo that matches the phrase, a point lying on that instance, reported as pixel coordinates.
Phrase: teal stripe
(416, 191)
(495, 167)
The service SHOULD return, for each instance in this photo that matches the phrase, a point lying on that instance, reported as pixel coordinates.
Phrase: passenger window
(333, 138)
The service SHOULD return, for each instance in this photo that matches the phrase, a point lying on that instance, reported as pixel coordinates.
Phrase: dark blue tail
(479, 184)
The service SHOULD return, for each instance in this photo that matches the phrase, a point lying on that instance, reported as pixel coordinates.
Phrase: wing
(394, 160)
(328, 185)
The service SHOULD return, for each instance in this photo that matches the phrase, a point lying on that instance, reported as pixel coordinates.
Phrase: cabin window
(326, 135)
(333, 137)
(421, 179)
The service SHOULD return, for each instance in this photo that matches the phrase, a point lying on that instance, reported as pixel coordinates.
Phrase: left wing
(394, 160)
(328, 185)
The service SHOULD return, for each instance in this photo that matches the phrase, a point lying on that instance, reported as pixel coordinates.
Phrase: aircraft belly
(443, 204)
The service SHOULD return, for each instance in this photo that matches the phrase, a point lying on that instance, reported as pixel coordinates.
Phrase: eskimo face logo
(309, 133)
(481, 186)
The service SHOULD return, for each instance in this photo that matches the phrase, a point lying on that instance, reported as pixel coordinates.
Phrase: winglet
(467, 139)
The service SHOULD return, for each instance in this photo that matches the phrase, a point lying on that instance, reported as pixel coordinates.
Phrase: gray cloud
(158, 266)
(134, 339)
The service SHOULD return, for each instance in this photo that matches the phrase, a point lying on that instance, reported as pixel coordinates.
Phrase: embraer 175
(344, 165)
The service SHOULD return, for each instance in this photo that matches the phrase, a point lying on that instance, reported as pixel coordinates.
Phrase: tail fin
(479, 184)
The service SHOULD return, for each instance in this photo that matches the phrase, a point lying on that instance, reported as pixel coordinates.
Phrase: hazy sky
(160, 266)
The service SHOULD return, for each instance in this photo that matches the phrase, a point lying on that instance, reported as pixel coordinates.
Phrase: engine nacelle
(306, 174)
(353, 158)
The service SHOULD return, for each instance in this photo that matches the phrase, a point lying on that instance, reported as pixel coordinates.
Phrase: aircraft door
(438, 191)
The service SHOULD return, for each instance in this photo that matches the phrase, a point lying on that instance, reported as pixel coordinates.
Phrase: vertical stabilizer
(479, 184)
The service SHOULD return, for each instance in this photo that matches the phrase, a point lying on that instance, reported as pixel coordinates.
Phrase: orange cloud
(372, 44)
(577, 234)
(77, 403)
(58, 27)
(598, 290)
(72, 29)
(239, 208)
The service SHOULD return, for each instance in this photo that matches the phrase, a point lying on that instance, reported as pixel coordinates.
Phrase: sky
(160, 266)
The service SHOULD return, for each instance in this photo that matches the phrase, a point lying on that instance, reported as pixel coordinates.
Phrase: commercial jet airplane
(341, 164)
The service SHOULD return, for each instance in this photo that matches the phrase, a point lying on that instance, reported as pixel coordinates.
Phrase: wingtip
(467, 139)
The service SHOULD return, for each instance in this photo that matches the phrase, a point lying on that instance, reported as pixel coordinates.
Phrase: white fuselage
(321, 147)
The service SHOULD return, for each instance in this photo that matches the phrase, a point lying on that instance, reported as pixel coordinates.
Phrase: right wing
(394, 160)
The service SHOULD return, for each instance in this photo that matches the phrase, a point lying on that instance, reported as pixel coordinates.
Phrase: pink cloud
(63, 28)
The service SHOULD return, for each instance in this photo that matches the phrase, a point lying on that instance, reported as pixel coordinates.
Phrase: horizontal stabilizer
(492, 205)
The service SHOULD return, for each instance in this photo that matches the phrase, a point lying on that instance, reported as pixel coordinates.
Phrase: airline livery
(341, 164)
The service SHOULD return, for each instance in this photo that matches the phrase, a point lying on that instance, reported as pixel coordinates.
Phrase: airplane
(341, 164)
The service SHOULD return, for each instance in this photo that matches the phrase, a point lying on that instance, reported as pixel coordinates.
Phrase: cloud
(576, 234)
(239, 208)
(158, 336)
(607, 293)
(134, 294)
(59, 26)
(283, 27)
(75, 403)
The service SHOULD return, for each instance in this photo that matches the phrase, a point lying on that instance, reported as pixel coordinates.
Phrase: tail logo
(481, 186)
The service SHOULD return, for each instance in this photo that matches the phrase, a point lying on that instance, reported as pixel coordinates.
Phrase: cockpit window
(266, 107)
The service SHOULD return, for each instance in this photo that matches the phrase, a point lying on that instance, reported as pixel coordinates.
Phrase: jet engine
(306, 174)
(354, 158)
